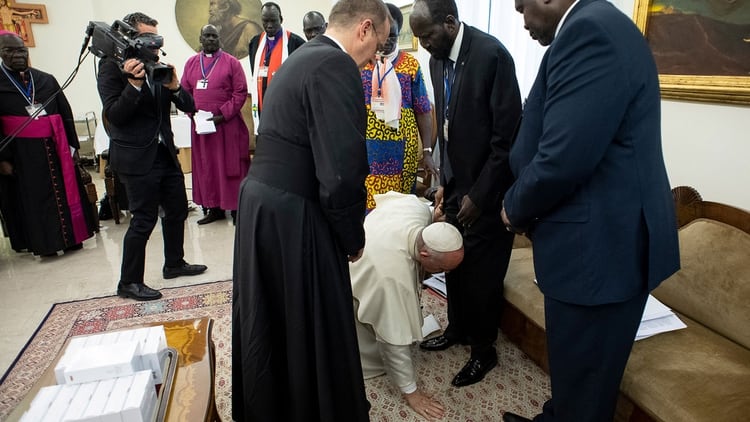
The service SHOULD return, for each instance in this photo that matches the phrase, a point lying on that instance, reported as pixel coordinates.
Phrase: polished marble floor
(30, 285)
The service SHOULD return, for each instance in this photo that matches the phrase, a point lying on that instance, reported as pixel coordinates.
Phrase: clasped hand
(469, 212)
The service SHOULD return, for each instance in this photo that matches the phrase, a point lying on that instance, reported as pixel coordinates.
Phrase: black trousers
(588, 348)
(475, 287)
(163, 186)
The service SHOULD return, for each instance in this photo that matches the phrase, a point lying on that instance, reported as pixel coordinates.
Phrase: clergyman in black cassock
(301, 209)
(42, 199)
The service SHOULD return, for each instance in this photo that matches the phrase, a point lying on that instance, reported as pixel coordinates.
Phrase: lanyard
(382, 78)
(449, 76)
(207, 72)
(27, 92)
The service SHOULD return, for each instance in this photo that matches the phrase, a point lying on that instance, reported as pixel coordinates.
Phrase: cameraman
(142, 152)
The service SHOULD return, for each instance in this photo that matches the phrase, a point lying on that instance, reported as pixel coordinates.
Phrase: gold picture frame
(702, 84)
(406, 39)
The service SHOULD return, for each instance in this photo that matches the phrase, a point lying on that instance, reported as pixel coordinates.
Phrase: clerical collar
(277, 34)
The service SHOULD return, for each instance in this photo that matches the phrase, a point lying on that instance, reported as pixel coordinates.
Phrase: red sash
(273, 65)
(51, 126)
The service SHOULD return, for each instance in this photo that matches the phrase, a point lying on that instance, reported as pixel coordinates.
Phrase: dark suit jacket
(484, 108)
(294, 42)
(134, 119)
(592, 188)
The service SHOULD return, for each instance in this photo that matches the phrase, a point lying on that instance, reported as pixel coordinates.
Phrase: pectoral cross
(18, 17)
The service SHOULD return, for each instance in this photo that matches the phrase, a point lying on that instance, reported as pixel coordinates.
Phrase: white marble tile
(30, 285)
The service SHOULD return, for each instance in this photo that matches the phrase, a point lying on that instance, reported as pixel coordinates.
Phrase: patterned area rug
(517, 384)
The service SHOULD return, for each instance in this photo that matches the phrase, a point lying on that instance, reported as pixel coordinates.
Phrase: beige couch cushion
(688, 375)
(520, 289)
(713, 286)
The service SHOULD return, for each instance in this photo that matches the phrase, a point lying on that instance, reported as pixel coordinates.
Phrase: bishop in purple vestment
(221, 159)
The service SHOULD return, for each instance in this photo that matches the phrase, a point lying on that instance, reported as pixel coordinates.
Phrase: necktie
(448, 78)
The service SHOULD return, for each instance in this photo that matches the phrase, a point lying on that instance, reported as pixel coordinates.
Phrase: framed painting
(701, 48)
(406, 39)
(18, 17)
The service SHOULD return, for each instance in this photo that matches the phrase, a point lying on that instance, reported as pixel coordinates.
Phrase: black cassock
(301, 208)
(35, 201)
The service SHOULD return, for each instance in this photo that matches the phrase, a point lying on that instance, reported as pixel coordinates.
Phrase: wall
(706, 145)
(58, 43)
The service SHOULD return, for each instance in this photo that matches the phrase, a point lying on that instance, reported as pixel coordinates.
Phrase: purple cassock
(220, 160)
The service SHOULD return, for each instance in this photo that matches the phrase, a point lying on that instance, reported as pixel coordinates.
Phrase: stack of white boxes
(108, 377)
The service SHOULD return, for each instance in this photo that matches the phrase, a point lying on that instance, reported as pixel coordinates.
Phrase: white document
(657, 318)
(204, 126)
(437, 283)
(430, 325)
(655, 309)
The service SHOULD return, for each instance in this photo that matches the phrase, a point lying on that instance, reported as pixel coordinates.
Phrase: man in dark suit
(592, 194)
(477, 105)
(142, 153)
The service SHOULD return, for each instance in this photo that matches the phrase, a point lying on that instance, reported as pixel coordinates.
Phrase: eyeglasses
(15, 50)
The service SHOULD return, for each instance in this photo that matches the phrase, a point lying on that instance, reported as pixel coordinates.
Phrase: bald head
(15, 55)
(313, 24)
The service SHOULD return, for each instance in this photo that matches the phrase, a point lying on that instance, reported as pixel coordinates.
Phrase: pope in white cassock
(401, 245)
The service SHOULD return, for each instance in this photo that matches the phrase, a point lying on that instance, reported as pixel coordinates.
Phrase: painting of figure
(700, 37)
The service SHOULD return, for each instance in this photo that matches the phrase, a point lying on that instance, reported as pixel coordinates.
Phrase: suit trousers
(163, 185)
(588, 348)
(475, 287)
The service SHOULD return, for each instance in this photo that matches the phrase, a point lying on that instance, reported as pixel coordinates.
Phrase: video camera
(121, 42)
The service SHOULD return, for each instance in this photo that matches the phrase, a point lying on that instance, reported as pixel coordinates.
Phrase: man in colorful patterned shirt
(398, 115)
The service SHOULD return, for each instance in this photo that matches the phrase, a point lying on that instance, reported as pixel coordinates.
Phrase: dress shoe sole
(182, 273)
(127, 295)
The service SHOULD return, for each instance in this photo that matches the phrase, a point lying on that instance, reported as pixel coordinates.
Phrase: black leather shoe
(512, 417)
(215, 214)
(434, 344)
(474, 371)
(184, 269)
(137, 291)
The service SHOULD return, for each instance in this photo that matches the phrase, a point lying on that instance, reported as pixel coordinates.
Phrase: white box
(141, 401)
(60, 405)
(75, 344)
(80, 402)
(152, 353)
(95, 409)
(109, 337)
(104, 361)
(41, 403)
(113, 408)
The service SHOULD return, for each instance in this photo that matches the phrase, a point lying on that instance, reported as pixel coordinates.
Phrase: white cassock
(386, 286)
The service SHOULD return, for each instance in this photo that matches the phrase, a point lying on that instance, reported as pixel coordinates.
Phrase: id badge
(201, 84)
(377, 105)
(445, 130)
(32, 108)
(263, 72)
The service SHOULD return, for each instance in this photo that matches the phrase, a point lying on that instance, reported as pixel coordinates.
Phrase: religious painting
(18, 17)
(238, 21)
(406, 39)
(701, 47)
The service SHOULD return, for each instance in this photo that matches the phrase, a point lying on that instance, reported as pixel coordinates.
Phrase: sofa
(700, 373)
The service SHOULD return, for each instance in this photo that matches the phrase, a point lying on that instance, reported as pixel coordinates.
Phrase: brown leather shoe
(137, 291)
